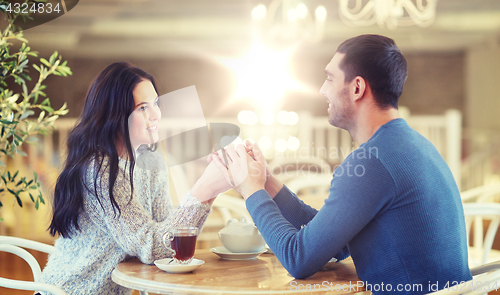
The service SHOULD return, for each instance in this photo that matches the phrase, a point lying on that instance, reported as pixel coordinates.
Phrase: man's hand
(247, 175)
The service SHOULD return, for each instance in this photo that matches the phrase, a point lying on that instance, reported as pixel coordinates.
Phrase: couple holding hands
(401, 221)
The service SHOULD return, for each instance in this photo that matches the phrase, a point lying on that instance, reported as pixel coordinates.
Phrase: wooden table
(264, 275)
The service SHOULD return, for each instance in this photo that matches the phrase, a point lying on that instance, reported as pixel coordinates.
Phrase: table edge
(164, 288)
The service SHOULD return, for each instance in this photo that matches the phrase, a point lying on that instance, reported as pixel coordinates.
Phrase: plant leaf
(40, 117)
(45, 62)
(25, 89)
(26, 114)
(53, 57)
(46, 102)
(19, 202)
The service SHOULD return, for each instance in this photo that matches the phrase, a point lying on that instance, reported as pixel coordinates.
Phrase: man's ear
(359, 86)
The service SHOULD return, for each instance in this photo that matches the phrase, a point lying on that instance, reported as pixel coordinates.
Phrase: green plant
(22, 116)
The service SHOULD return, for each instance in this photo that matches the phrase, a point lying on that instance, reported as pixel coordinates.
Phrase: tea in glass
(182, 240)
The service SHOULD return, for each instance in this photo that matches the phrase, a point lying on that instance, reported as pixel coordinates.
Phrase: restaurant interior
(259, 64)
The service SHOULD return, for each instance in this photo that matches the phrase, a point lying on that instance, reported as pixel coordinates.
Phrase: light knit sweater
(83, 263)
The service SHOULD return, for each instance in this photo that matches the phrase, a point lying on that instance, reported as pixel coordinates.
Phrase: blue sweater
(393, 206)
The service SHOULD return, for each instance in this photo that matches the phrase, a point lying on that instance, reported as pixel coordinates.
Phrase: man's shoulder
(397, 136)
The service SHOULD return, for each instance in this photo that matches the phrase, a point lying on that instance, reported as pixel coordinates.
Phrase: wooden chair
(479, 208)
(481, 194)
(481, 252)
(15, 246)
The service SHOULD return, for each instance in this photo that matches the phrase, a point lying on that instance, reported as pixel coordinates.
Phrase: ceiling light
(389, 13)
(282, 20)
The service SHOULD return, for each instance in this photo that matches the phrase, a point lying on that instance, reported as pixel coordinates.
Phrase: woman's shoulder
(150, 160)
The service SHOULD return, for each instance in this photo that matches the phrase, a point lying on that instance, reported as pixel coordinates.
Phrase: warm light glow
(247, 118)
(259, 12)
(281, 20)
(267, 119)
(293, 118)
(282, 117)
(320, 13)
(265, 143)
(301, 11)
(262, 75)
(292, 15)
(287, 118)
(293, 143)
(280, 145)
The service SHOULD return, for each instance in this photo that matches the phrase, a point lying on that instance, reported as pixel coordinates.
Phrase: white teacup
(241, 237)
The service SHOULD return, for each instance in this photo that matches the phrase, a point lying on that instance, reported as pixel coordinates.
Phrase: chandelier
(391, 13)
(289, 20)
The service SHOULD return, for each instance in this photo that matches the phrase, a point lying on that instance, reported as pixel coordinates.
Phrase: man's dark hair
(379, 61)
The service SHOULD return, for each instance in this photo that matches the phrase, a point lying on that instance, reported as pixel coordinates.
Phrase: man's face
(336, 91)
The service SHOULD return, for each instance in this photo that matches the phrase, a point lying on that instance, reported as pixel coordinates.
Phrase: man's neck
(369, 120)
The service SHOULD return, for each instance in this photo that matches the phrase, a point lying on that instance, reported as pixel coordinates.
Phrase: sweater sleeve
(133, 228)
(356, 197)
(293, 209)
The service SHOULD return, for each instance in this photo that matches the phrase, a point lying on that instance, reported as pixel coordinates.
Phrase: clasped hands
(243, 166)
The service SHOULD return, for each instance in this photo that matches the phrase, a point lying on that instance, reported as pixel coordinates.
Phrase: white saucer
(226, 254)
(268, 250)
(173, 267)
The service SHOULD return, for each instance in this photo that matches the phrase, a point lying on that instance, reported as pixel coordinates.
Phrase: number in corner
(35, 7)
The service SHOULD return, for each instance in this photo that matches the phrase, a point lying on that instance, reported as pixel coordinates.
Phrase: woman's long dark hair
(103, 122)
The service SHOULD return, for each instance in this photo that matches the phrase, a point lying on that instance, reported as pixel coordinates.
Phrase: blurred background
(259, 65)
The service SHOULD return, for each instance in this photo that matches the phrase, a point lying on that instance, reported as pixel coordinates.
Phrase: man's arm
(353, 202)
(273, 185)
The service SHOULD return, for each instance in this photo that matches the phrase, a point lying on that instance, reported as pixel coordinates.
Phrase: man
(394, 206)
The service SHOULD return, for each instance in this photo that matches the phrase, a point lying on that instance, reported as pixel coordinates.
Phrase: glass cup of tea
(182, 240)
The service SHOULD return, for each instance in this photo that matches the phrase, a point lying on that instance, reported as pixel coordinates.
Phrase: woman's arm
(133, 228)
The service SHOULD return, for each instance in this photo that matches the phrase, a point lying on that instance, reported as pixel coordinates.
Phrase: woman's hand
(211, 183)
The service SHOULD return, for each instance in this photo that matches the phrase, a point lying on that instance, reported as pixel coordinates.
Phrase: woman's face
(143, 122)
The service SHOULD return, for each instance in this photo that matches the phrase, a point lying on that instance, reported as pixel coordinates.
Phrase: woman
(112, 200)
